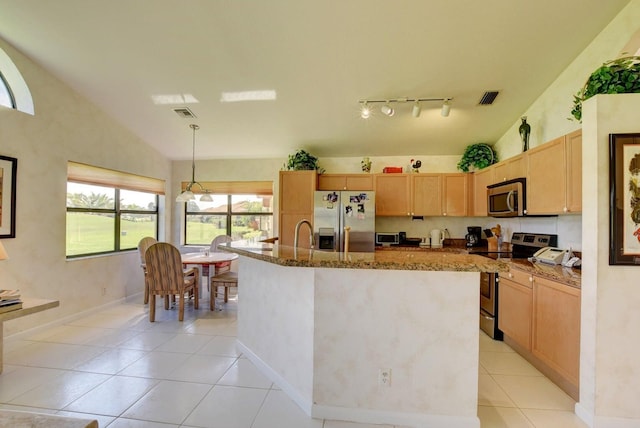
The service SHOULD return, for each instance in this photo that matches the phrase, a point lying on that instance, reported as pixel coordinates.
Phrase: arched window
(6, 97)
(14, 92)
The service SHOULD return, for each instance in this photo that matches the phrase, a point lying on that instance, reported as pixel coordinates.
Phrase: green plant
(479, 155)
(618, 76)
(301, 160)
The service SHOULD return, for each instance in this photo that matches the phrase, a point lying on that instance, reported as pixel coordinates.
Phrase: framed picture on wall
(8, 173)
(624, 211)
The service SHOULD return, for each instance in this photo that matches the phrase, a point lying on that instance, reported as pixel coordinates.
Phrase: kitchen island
(389, 337)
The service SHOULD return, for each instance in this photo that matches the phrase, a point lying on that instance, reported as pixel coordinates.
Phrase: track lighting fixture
(446, 108)
(386, 109)
(416, 110)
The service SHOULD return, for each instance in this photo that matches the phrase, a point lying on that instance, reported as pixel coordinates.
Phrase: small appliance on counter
(437, 238)
(474, 237)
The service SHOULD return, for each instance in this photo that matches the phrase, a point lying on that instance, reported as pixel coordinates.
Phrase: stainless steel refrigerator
(335, 210)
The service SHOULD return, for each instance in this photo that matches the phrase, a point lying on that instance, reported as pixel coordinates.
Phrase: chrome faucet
(297, 232)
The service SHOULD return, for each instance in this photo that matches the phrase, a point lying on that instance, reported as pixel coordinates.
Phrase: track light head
(446, 108)
(415, 111)
(365, 111)
(386, 109)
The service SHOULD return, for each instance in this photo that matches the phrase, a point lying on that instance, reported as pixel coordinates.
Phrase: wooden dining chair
(143, 245)
(167, 278)
(223, 276)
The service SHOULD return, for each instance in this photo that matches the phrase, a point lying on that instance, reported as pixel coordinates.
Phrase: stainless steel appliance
(523, 246)
(387, 238)
(334, 211)
(508, 198)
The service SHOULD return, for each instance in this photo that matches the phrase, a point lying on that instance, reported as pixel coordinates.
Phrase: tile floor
(120, 369)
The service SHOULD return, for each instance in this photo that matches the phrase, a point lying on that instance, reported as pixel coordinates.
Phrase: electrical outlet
(384, 377)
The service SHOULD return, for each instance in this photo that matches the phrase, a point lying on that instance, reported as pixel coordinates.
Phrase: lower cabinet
(515, 300)
(540, 319)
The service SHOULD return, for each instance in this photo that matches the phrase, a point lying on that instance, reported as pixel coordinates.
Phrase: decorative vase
(525, 131)
(366, 164)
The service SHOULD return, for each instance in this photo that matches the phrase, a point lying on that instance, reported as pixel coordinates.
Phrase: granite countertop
(452, 259)
(568, 276)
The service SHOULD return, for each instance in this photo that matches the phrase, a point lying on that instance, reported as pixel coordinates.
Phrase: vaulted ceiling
(321, 58)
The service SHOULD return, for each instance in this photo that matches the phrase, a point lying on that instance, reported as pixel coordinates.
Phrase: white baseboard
(286, 387)
(584, 414)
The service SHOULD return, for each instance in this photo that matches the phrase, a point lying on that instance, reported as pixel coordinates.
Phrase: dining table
(219, 260)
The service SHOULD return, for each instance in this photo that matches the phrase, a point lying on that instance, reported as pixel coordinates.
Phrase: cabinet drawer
(520, 277)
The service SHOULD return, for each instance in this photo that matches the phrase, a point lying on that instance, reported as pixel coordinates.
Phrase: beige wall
(65, 127)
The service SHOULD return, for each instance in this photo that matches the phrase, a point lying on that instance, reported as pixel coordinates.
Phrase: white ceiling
(321, 56)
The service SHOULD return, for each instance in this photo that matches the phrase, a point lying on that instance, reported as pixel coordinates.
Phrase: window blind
(233, 187)
(88, 174)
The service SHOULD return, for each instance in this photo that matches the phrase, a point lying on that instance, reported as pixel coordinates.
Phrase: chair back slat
(164, 267)
(220, 239)
(143, 245)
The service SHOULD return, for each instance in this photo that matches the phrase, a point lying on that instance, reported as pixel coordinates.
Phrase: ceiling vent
(488, 98)
(184, 113)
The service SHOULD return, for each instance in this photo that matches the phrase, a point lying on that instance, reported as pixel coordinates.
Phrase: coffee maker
(474, 237)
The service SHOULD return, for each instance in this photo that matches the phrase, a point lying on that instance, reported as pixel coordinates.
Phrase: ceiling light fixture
(188, 195)
(365, 111)
(446, 108)
(416, 110)
(387, 109)
(261, 95)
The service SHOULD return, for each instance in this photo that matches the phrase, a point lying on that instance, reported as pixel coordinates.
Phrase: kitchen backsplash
(567, 227)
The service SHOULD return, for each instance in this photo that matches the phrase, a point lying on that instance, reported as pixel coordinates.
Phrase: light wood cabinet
(455, 194)
(515, 302)
(295, 202)
(481, 179)
(546, 180)
(556, 327)
(345, 182)
(427, 194)
(393, 194)
(511, 168)
(573, 147)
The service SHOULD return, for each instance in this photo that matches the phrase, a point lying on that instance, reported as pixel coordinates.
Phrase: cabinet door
(296, 191)
(427, 194)
(481, 179)
(332, 182)
(359, 182)
(511, 168)
(546, 184)
(287, 227)
(455, 199)
(392, 194)
(573, 143)
(514, 310)
(556, 327)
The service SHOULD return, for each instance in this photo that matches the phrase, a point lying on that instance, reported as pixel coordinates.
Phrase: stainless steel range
(523, 246)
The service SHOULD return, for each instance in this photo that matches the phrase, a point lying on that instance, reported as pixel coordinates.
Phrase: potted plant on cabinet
(301, 161)
(477, 156)
(618, 76)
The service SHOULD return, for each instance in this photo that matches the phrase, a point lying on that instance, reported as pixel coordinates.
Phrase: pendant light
(188, 195)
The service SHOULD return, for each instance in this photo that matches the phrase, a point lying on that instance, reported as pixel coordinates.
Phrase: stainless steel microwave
(508, 198)
(387, 238)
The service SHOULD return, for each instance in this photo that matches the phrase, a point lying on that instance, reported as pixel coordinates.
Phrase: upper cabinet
(509, 169)
(554, 178)
(295, 199)
(481, 179)
(422, 194)
(345, 182)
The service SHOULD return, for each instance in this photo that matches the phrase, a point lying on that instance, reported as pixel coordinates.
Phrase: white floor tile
(220, 345)
(53, 355)
(69, 334)
(502, 417)
(507, 363)
(156, 365)
(244, 373)
(168, 402)
(487, 344)
(202, 369)
(553, 419)
(22, 379)
(279, 411)
(103, 421)
(343, 424)
(113, 396)
(133, 423)
(111, 361)
(490, 393)
(535, 392)
(60, 391)
(184, 343)
(111, 338)
(147, 340)
(229, 407)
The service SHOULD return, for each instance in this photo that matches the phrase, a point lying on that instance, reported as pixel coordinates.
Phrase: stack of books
(10, 300)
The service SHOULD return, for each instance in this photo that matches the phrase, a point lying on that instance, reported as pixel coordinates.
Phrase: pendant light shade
(188, 195)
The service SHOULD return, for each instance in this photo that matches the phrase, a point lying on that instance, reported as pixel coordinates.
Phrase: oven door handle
(509, 196)
(487, 317)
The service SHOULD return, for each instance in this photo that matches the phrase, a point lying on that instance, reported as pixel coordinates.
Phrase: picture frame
(8, 174)
(624, 194)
